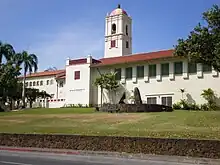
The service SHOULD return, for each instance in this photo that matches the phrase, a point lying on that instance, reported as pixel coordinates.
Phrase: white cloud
(74, 41)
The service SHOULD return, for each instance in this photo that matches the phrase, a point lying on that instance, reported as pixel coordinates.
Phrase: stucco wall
(78, 91)
(166, 86)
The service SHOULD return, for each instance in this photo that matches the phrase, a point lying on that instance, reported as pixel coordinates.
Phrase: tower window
(126, 29)
(77, 75)
(113, 28)
(112, 43)
(127, 44)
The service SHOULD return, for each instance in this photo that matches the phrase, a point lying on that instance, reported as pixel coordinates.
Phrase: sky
(57, 29)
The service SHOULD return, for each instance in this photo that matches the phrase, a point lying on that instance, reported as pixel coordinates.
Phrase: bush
(204, 107)
(184, 105)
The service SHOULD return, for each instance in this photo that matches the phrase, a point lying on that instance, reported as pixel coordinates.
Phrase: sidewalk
(179, 159)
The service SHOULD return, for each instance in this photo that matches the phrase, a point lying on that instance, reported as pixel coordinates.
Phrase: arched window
(41, 82)
(30, 84)
(113, 28)
(48, 81)
(126, 29)
(34, 83)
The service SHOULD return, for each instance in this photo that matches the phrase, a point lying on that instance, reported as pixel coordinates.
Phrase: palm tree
(6, 50)
(30, 62)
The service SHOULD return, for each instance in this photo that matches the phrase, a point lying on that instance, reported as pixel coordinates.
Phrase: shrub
(204, 107)
(184, 105)
(210, 96)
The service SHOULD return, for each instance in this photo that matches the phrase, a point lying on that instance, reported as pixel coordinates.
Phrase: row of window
(39, 83)
(152, 72)
(166, 100)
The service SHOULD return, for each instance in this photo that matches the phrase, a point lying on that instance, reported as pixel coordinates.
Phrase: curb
(164, 158)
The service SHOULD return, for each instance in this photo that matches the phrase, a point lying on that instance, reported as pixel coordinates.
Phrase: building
(158, 75)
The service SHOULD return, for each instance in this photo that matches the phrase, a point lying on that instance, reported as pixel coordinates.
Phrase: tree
(203, 43)
(107, 81)
(100, 81)
(6, 50)
(51, 69)
(210, 96)
(30, 62)
(111, 84)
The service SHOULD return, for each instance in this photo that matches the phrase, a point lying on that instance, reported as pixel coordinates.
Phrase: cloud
(75, 41)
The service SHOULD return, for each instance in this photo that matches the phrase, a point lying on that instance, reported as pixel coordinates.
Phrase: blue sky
(57, 29)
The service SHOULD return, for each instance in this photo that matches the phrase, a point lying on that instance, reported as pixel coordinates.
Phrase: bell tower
(118, 33)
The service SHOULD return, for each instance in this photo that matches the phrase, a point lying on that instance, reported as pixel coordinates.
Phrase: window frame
(139, 74)
(175, 68)
(128, 73)
(150, 71)
(164, 74)
(152, 102)
(167, 101)
(190, 67)
(118, 74)
(77, 75)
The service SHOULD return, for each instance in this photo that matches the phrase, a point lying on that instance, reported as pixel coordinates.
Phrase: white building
(158, 75)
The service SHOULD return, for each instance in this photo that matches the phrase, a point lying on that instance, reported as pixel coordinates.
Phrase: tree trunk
(101, 95)
(31, 103)
(23, 91)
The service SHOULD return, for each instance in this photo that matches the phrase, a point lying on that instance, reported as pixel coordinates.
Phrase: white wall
(78, 91)
(167, 86)
(50, 89)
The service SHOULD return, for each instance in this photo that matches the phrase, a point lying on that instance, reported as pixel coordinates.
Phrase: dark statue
(137, 96)
(138, 105)
(121, 101)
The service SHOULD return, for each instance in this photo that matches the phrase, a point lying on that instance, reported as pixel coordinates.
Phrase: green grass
(177, 124)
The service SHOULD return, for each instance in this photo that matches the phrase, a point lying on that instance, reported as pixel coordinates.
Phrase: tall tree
(203, 43)
(6, 50)
(30, 64)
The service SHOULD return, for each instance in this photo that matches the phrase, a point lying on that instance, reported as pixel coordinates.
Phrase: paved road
(25, 158)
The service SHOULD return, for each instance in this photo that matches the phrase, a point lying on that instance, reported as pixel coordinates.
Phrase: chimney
(89, 59)
(68, 61)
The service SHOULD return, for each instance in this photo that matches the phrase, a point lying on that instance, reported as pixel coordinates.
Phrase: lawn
(177, 124)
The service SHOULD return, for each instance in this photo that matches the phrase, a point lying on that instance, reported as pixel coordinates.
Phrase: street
(30, 158)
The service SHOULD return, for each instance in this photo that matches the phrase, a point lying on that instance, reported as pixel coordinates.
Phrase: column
(134, 74)
(158, 69)
(185, 70)
(171, 70)
(122, 75)
(146, 71)
(199, 70)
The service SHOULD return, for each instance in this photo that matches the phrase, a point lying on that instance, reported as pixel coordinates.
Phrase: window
(178, 67)
(26, 84)
(37, 83)
(167, 101)
(118, 74)
(128, 73)
(51, 82)
(48, 82)
(61, 84)
(126, 29)
(77, 75)
(41, 82)
(192, 67)
(206, 68)
(30, 84)
(165, 69)
(140, 71)
(127, 44)
(112, 43)
(152, 100)
(113, 28)
(152, 70)
(34, 83)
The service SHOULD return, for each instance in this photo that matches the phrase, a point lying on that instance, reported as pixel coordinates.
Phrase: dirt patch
(12, 121)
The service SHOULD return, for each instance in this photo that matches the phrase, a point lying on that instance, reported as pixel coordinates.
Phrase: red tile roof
(81, 61)
(135, 58)
(45, 73)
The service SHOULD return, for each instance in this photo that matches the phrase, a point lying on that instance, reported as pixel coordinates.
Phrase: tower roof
(118, 11)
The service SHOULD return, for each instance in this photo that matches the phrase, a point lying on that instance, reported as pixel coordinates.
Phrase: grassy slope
(181, 124)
